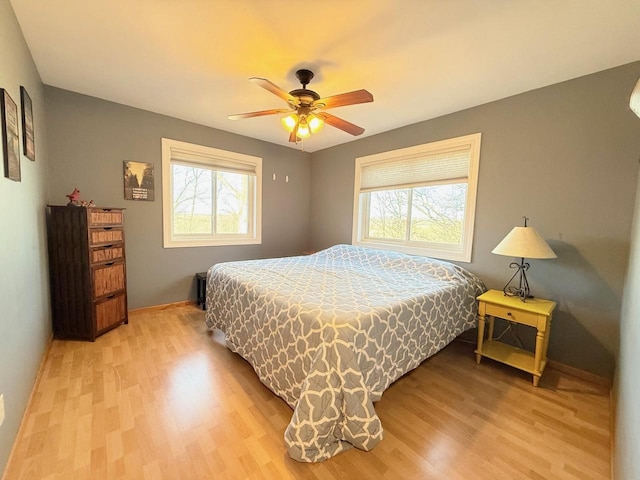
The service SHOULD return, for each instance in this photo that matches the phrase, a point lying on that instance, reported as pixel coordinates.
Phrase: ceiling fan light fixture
(289, 122)
(303, 129)
(315, 123)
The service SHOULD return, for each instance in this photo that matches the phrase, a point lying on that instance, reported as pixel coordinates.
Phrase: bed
(329, 332)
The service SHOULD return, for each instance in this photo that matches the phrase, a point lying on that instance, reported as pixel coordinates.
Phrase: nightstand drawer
(512, 314)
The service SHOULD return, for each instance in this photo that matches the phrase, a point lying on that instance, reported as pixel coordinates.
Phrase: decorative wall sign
(138, 181)
(28, 142)
(10, 138)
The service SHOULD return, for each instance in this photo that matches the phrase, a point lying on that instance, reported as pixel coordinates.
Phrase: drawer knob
(509, 313)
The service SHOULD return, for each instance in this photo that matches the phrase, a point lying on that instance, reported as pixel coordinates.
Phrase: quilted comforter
(329, 332)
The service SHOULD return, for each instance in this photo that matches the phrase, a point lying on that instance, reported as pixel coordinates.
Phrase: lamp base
(522, 289)
(514, 292)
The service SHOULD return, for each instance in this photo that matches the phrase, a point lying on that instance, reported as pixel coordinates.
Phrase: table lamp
(523, 242)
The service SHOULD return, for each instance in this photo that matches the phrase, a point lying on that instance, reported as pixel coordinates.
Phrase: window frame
(209, 158)
(461, 253)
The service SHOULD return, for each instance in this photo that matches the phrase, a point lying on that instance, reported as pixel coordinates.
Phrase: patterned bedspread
(329, 332)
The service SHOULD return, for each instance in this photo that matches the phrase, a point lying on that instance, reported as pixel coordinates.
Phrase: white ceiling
(421, 59)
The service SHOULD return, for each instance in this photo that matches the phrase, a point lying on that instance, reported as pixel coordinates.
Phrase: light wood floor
(163, 398)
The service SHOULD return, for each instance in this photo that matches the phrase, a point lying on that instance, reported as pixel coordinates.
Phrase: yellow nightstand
(535, 312)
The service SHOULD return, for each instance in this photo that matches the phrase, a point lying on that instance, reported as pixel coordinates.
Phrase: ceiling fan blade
(350, 98)
(261, 113)
(294, 134)
(341, 124)
(273, 88)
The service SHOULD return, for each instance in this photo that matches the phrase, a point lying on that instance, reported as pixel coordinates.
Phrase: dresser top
(87, 207)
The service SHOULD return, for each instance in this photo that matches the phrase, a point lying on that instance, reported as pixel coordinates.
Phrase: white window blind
(420, 199)
(417, 170)
(190, 158)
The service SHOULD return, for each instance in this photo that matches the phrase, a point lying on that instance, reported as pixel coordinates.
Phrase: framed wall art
(138, 181)
(28, 142)
(10, 138)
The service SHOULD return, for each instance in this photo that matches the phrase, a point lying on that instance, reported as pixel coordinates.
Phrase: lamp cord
(510, 328)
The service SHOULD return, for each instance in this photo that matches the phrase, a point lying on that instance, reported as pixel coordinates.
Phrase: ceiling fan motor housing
(304, 96)
(304, 76)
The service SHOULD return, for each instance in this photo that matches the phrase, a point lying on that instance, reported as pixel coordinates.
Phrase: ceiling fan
(306, 115)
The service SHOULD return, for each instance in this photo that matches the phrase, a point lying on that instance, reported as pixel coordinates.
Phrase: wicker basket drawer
(110, 312)
(105, 235)
(107, 253)
(105, 216)
(108, 279)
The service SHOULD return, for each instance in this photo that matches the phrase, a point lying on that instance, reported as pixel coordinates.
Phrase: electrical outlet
(1, 409)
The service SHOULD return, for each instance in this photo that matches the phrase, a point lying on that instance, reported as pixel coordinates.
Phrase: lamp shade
(524, 242)
(315, 123)
(303, 129)
(289, 122)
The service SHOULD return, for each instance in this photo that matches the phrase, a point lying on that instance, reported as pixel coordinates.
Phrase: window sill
(211, 243)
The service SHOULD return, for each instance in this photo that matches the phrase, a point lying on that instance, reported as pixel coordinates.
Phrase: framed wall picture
(28, 142)
(138, 181)
(10, 138)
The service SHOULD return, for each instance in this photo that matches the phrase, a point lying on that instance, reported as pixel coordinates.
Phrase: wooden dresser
(87, 270)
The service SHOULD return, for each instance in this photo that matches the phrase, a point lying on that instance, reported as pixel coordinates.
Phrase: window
(210, 196)
(420, 199)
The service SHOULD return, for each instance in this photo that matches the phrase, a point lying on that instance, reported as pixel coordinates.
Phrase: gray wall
(567, 157)
(88, 140)
(627, 431)
(24, 301)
